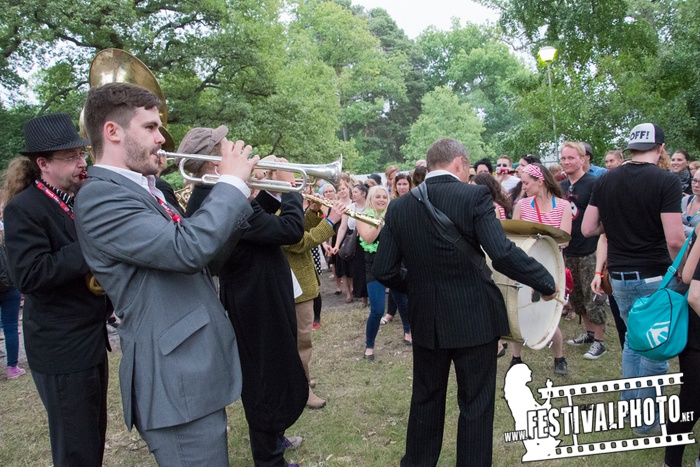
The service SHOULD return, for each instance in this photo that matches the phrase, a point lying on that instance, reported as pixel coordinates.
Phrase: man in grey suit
(180, 366)
(457, 312)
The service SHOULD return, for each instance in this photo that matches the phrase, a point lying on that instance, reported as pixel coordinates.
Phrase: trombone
(330, 172)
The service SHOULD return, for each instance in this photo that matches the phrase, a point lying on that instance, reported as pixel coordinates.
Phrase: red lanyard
(54, 197)
(173, 215)
(539, 216)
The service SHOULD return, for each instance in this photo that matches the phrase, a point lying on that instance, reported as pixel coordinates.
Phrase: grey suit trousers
(202, 442)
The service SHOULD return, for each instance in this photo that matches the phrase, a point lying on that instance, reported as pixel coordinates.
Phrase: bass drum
(532, 320)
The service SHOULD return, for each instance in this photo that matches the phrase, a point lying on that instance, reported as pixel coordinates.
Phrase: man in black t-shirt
(637, 206)
(579, 255)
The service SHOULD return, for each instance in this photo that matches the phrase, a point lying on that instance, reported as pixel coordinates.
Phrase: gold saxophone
(354, 214)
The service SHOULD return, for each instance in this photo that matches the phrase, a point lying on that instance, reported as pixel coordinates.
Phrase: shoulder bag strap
(672, 269)
(448, 230)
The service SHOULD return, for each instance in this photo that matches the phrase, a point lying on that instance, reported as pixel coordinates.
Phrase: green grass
(364, 423)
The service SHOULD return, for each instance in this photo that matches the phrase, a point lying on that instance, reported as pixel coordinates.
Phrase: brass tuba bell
(119, 66)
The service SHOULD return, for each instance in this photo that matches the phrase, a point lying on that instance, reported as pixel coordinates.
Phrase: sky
(413, 16)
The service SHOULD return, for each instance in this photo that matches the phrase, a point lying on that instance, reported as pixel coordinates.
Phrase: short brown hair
(618, 154)
(505, 156)
(115, 102)
(443, 151)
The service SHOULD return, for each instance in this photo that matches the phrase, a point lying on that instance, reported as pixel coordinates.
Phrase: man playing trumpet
(180, 366)
(257, 291)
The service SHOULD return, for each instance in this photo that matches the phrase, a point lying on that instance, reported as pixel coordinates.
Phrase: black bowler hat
(49, 133)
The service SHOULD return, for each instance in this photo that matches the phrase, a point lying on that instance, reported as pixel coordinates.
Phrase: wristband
(598, 273)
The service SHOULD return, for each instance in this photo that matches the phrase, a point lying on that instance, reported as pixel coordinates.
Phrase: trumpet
(330, 172)
(349, 212)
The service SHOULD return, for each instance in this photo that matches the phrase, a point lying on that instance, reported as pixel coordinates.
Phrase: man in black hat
(64, 322)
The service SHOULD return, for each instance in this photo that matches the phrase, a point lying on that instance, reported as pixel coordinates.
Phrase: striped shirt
(500, 210)
(528, 212)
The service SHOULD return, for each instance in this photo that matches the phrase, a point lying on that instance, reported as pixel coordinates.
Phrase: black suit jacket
(452, 303)
(63, 322)
(257, 292)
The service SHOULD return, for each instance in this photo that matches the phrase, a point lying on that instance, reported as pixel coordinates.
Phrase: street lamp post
(547, 55)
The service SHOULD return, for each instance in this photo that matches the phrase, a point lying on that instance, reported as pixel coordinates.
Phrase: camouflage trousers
(582, 298)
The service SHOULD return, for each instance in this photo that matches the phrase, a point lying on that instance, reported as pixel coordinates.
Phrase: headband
(533, 171)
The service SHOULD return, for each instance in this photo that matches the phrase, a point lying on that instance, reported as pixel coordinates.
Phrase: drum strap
(449, 231)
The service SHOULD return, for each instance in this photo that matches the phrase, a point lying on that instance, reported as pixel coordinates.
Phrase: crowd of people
(219, 299)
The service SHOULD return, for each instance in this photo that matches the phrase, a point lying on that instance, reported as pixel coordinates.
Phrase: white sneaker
(292, 442)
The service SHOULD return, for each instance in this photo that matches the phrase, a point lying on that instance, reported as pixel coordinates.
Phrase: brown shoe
(314, 402)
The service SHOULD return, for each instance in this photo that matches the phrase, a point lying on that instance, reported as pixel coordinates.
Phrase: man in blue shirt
(587, 166)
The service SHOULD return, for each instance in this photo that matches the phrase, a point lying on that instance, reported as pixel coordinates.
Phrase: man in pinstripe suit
(456, 311)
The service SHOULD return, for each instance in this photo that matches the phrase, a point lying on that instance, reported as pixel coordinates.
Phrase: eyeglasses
(82, 155)
(694, 181)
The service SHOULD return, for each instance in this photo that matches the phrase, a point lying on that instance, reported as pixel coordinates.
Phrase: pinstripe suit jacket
(452, 303)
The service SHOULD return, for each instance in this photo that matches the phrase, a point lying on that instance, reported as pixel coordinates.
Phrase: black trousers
(475, 368)
(619, 323)
(268, 449)
(76, 405)
(689, 361)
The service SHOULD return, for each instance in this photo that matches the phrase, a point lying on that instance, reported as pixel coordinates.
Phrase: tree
(390, 132)
(444, 116)
(618, 63)
(367, 81)
(217, 62)
(11, 134)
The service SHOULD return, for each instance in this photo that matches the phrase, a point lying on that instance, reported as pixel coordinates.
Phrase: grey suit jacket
(179, 354)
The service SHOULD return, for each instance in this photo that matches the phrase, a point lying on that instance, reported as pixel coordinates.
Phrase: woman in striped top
(543, 204)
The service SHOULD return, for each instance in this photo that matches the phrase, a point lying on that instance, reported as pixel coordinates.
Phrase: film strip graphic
(631, 444)
(587, 389)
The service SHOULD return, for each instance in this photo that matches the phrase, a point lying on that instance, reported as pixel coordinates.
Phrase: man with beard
(180, 366)
(64, 323)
